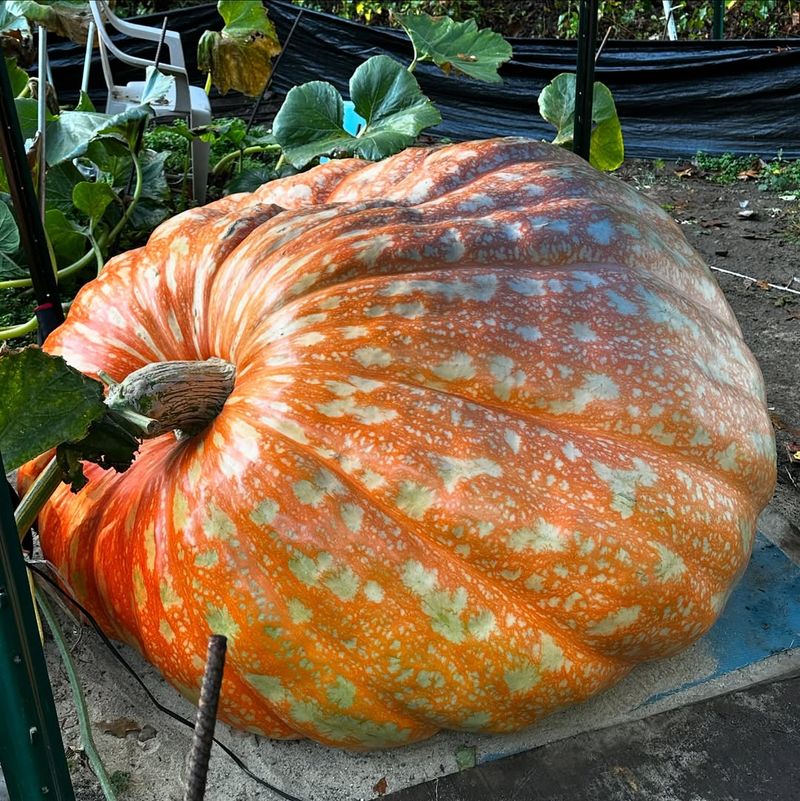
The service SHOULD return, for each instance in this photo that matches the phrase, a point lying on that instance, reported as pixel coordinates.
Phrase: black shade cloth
(673, 98)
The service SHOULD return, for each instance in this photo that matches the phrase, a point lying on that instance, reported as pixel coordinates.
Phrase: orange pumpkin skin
(494, 439)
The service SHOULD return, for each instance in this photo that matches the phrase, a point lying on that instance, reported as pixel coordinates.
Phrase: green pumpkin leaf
(16, 75)
(156, 86)
(240, 56)
(458, 47)
(60, 181)
(67, 239)
(557, 106)
(9, 233)
(85, 103)
(249, 180)
(310, 123)
(16, 39)
(93, 198)
(45, 402)
(28, 116)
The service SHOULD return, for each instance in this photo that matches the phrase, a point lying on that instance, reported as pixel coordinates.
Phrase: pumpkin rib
(541, 619)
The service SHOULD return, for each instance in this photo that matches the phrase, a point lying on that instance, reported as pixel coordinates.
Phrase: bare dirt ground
(764, 245)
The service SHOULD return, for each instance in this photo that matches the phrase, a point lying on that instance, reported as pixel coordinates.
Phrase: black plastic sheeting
(673, 98)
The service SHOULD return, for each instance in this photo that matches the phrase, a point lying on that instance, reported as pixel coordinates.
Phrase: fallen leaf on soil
(120, 727)
(688, 172)
(747, 214)
(381, 786)
(793, 449)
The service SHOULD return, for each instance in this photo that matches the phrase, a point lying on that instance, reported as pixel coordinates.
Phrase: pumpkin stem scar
(184, 396)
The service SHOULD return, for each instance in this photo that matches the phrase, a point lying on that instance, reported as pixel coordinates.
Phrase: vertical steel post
(26, 209)
(31, 751)
(584, 80)
(718, 24)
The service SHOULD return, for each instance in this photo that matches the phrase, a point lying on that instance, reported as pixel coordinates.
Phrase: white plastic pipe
(87, 58)
(41, 120)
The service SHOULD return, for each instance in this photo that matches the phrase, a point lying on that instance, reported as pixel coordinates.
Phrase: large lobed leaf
(67, 18)
(310, 123)
(458, 47)
(240, 56)
(45, 402)
(557, 106)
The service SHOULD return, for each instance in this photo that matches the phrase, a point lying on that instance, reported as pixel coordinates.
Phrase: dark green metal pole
(26, 209)
(31, 750)
(584, 80)
(719, 19)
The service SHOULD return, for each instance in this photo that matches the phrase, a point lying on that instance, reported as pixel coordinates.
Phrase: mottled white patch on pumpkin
(373, 591)
(621, 304)
(615, 621)
(174, 326)
(508, 379)
(353, 331)
(624, 484)
(602, 231)
(220, 621)
(453, 471)
(341, 693)
(344, 583)
(419, 192)
(571, 451)
(419, 579)
(661, 311)
(542, 537)
(372, 357)
(595, 387)
(522, 679)
(298, 611)
(289, 428)
(458, 367)
(309, 339)
(368, 415)
(726, 459)
(180, 510)
(529, 287)
(764, 444)
(479, 287)
(217, 524)
(352, 515)
(169, 598)
(583, 332)
(670, 565)
(411, 311)
(551, 656)
(372, 480)
(370, 251)
(513, 440)
(303, 283)
(414, 499)
(265, 512)
(476, 202)
(269, 686)
(659, 434)
(530, 333)
(482, 625)
(149, 538)
(746, 532)
(207, 559)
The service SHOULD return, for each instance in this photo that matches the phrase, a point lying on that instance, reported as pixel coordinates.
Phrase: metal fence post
(31, 750)
(584, 79)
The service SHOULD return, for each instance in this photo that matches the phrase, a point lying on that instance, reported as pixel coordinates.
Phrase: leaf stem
(247, 151)
(37, 496)
(19, 330)
(77, 694)
(137, 194)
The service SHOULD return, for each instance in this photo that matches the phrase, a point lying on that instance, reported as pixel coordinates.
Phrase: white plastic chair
(183, 99)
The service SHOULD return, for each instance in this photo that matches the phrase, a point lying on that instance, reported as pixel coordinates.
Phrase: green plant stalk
(19, 330)
(247, 151)
(80, 702)
(37, 496)
(137, 194)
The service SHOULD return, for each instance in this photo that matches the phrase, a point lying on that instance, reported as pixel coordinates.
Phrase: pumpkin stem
(180, 396)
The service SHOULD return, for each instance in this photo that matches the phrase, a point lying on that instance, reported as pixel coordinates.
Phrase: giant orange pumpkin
(494, 439)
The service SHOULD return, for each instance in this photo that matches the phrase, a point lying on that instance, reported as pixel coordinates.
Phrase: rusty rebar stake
(206, 719)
